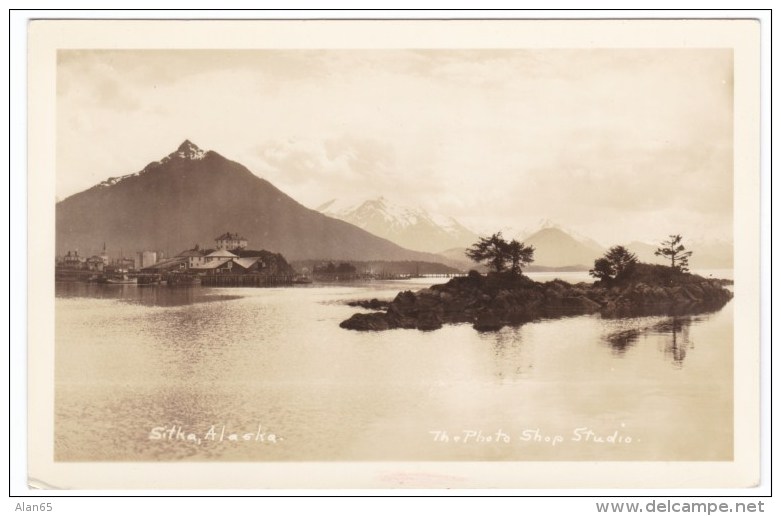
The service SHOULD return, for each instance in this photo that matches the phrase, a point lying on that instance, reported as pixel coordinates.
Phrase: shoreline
(496, 300)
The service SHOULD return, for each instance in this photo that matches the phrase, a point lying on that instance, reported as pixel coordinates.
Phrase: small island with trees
(624, 287)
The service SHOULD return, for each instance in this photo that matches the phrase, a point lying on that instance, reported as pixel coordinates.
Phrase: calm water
(133, 363)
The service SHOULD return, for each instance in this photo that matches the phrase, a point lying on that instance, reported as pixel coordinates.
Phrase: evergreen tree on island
(676, 252)
(615, 264)
(501, 255)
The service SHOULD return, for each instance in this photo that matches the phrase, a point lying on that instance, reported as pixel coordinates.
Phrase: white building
(195, 257)
(219, 255)
(230, 241)
(147, 259)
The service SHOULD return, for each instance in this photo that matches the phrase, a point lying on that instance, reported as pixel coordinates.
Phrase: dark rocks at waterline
(641, 299)
(371, 304)
(488, 321)
(367, 322)
(500, 299)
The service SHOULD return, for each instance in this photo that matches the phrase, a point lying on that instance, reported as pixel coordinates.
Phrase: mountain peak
(166, 202)
(548, 224)
(410, 227)
(188, 150)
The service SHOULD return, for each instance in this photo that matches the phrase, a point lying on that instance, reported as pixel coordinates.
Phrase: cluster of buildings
(230, 256)
(73, 261)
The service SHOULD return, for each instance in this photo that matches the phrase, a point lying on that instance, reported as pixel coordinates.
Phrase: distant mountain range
(554, 248)
(557, 247)
(192, 196)
(413, 228)
(544, 224)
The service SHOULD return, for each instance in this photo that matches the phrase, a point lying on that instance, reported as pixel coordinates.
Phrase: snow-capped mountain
(413, 228)
(187, 150)
(191, 196)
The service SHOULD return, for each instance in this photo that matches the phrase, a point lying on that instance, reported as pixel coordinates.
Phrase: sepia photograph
(448, 254)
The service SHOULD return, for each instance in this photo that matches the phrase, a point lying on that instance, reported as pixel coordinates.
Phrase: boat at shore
(146, 280)
(179, 279)
(120, 279)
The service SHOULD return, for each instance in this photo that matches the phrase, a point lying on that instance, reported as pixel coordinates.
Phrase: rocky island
(490, 302)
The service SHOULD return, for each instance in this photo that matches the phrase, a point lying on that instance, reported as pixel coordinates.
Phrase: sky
(618, 145)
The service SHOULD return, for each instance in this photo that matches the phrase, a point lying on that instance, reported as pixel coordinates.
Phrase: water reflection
(621, 341)
(662, 309)
(278, 357)
(672, 333)
(152, 295)
(676, 330)
(512, 357)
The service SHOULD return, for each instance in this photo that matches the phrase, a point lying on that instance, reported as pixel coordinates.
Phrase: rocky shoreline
(490, 302)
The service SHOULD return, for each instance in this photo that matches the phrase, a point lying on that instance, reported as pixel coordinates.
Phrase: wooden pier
(245, 280)
(75, 275)
(334, 277)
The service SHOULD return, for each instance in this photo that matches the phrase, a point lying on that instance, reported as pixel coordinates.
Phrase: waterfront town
(228, 263)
